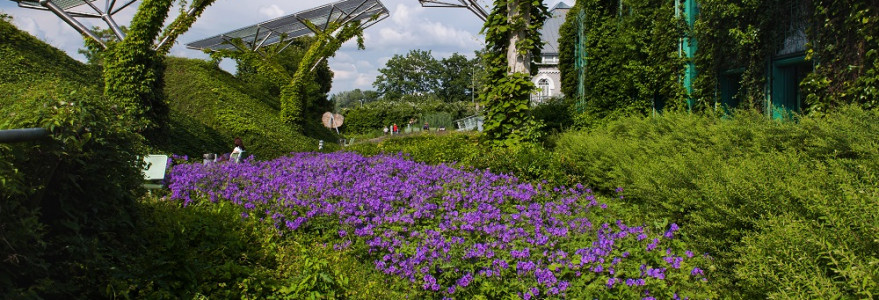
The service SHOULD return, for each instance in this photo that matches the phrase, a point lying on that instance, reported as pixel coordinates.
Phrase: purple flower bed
(446, 229)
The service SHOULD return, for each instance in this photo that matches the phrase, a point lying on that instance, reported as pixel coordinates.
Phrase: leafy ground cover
(453, 232)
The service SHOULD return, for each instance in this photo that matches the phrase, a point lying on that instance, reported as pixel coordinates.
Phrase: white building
(548, 78)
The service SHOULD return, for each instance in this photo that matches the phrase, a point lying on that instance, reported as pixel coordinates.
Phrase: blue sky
(443, 31)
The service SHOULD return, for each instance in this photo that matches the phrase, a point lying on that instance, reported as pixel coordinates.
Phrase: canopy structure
(69, 10)
(286, 28)
(472, 5)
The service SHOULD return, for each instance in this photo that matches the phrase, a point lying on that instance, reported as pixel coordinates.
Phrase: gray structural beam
(471, 5)
(22, 135)
(284, 29)
(69, 10)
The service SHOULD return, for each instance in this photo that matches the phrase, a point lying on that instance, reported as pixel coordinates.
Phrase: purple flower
(465, 281)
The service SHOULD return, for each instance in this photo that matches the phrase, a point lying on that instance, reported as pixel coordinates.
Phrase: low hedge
(789, 208)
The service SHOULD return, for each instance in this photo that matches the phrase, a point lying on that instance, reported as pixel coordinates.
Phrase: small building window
(543, 91)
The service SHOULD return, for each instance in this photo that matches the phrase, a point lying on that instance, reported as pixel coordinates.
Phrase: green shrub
(208, 250)
(732, 181)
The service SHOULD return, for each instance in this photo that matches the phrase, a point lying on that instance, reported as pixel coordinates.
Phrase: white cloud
(271, 11)
(409, 27)
(364, 81)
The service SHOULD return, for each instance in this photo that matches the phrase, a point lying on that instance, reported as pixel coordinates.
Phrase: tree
(413, 74)
(327, 41)
(456, 78)
(513, 39)
(134, 66)
(273, 68)
(354, 98)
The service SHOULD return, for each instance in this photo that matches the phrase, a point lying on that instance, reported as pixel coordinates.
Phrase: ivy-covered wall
(631, 50)
(775, 56)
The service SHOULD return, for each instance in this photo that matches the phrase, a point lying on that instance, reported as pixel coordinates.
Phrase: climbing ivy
(508, 121)
(633, 64)
(293, 96)
(133, 69)
(844, 41)
(746, 35)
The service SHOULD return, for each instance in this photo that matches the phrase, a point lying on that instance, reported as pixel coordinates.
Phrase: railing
(22, 135)
(470, 123)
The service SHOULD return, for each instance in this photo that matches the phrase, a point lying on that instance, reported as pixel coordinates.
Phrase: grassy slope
(210, 107)
(33, 73)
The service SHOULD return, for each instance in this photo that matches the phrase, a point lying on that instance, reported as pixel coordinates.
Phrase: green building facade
(782, 57)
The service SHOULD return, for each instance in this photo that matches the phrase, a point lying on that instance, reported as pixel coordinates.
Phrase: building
(548, 78)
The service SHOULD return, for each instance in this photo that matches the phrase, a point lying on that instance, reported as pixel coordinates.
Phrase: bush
(732, 181)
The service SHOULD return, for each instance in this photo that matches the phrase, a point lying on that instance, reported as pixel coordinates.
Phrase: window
(543, 91)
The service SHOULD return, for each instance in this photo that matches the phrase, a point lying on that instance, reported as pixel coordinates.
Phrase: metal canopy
(69, 10)
(472, 5)
(285, 28)
(63, 4)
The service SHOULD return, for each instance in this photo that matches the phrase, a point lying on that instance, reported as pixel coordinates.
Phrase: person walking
(426, 127)
(396, 130)
(386, 130)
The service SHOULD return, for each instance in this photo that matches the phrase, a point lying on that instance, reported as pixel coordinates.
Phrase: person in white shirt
(239, 147)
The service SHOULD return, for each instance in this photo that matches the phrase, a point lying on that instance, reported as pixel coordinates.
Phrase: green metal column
(580, 62)
(687, 47)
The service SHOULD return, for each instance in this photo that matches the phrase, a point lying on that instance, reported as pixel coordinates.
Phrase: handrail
(22, 135)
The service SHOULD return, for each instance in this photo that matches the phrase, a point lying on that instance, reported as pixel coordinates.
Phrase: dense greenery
(788, 209)
(513, 40)
(374, 116)
(66, 201)
(327, 40)
(842, 43)
(633, 64)
(418, 73)
(632, 57)
(70, 224)
(210, 107)
(133, 67)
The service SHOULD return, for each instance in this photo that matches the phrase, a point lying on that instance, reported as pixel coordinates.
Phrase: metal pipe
(71, 21)
(22, 135)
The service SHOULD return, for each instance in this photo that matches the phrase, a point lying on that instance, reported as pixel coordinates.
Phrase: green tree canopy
(456, 78)
(353, 98)
(415, 73)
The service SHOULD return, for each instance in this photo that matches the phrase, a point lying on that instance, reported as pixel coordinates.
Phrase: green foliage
(787, 208)
(745, 35)
(515, 25)
(845, 46)
(210, 107)
(376, 115)
(133, 69)
(208, 250)
(415, 73)
(294, 96)
(437, 119)
(633, 62)
(353, 99)
(556, 114)
(66, 200)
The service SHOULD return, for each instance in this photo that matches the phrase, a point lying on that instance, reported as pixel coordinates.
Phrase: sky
(443, 31)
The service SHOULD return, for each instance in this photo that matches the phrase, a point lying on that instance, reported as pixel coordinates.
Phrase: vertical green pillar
(580, 62)
(687, 48)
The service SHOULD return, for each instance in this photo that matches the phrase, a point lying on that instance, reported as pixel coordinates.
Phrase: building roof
(550, 31)
(292, 26)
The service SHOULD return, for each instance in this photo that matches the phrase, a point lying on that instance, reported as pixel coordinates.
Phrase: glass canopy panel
(63, 4)
(292, 25)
